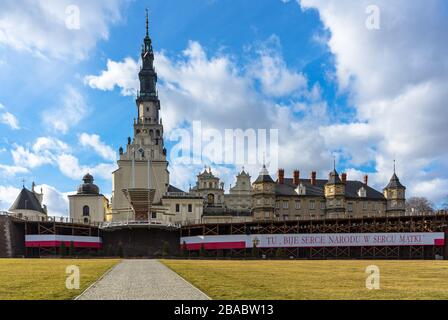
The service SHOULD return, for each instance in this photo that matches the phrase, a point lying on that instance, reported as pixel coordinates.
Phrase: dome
(88, 187)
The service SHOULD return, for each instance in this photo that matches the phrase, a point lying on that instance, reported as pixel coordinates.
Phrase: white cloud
(8, 118)
(397, 79)
(120, 74)
(25, 157)
(42, 152)
(10, 171)
(51, 151)
(7, 196)
(55, 200)
(50, 144)
(70, 167)
(94, 141)
(270, 68)
(40, 26)
(72, 110)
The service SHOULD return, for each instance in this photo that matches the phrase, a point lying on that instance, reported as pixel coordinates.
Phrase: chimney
(281, 176)
(344, 177)
(296, 177)
(313, 178)
(366, 179)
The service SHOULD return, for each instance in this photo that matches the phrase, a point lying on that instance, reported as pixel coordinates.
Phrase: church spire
(147, 23)
(147, 74)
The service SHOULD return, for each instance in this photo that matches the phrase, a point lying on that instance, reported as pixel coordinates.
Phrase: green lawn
(44, 279)
(330, 279)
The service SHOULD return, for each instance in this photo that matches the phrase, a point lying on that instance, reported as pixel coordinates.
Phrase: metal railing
(128, 223)
(181, 195)
(52, 219)
(211, 219)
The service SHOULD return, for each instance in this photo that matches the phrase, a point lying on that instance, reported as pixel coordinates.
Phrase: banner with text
(314, 240)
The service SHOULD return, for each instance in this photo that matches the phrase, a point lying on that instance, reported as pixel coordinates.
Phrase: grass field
(291, 280)
(44, 279)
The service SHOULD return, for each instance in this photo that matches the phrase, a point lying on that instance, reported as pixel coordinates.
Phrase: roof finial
(394, 166)
(334, 162)
(147, 22)
(23, 183)
(264, 159)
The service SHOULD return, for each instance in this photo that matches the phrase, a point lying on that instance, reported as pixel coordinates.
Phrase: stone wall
(12, 238)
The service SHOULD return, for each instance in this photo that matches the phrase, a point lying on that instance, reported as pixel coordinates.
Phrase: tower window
(190, 208)
(177, 207)
(147, 109)
(86, 211)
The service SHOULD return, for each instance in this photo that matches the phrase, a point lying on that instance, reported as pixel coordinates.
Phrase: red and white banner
(51, 241)
(314, 240)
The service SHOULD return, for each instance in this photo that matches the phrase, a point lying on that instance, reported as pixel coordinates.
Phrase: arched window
(86, 220)
(211, 199)
(86, 211)
(158, 133)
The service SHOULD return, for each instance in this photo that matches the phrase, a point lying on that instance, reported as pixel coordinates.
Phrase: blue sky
(309, 68)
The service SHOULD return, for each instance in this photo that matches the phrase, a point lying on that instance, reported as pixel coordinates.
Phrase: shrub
(62, 249)
(202, 252)
(71, 250)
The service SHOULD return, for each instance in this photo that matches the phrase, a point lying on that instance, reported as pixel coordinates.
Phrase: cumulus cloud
(7, 196)
(49, 28)
(41, 153)
(118, 74)
(271, 70)
(70, 167)
(72, 110)
(10, 171)
(51, 151)
(94, 141)
(397, 79)
(8, 118)
(55, 200)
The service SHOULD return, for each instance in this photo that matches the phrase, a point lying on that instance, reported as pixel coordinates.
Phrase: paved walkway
(142, 280)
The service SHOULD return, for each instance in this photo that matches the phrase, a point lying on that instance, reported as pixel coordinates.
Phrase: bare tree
(419, 205)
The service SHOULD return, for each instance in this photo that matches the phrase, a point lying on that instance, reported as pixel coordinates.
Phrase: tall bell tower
(148, 128)
(142, 164)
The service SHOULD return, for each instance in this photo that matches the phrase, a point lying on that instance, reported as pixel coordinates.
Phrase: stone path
(142, 280)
